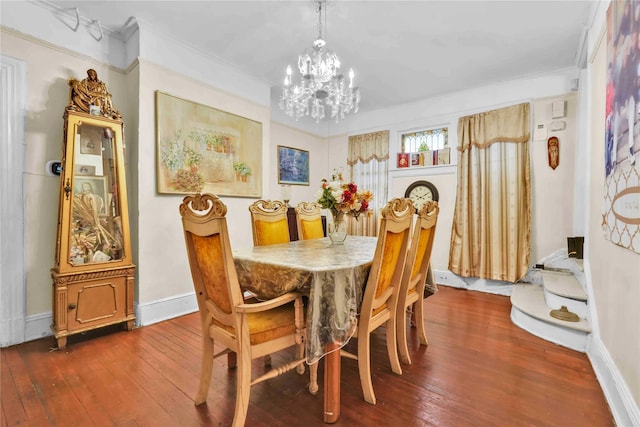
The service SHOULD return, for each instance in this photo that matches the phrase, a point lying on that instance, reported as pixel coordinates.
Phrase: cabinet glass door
(96, 234)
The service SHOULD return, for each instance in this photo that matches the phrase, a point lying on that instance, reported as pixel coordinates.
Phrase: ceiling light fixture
(322, 86)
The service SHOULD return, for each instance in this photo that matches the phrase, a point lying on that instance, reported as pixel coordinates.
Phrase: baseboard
(164, 309)
(447, 278)
(39, 325)
(623, 407)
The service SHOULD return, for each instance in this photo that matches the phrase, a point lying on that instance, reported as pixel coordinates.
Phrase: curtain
(369, 161)
(490, 236)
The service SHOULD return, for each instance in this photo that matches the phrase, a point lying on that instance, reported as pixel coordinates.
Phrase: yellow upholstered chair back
(381, 291)
(209, 251)
(309, 221)
(269, 223)
(415, 275)
(248, 330)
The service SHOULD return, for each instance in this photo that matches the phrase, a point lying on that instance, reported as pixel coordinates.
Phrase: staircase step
(530, 312)
(563, 289)
(563, 284)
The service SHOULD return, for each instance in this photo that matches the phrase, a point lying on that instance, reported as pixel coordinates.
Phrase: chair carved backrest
(246, 330)
(309, 221)
(381, 292)
(419, 255)
(210, 258)
(415, 276)
(269, 223)
(388, 262)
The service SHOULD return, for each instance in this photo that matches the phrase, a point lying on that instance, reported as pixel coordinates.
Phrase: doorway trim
(13, 289)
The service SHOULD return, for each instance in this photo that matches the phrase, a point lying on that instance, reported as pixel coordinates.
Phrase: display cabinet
(93, 275)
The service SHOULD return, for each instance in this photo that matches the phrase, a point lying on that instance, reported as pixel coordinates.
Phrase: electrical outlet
(441, 277)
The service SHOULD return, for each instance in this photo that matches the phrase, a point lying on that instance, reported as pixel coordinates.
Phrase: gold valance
(368, 146)
(509, 124)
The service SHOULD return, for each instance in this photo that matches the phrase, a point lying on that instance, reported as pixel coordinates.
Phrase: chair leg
(232, 360)
(206, 369)
(401, 326)
(418, 309)
(364, 367)
(392, 346)
(313, 378)
(300, 332)
(243, 385)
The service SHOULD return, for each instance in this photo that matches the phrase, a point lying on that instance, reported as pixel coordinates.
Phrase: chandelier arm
(320, 19)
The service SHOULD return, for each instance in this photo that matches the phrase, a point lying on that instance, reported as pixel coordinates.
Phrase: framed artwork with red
(403, 160)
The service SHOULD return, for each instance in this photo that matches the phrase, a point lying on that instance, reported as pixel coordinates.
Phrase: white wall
(552, 197)
(548, 233)
(612, 271)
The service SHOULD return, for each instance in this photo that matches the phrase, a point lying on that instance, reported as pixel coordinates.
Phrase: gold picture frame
(203, 149)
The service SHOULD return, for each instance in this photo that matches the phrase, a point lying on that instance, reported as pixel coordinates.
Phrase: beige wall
(615, 271)
(48, 69)
(163, 270)
(446, 185)
(552, 189)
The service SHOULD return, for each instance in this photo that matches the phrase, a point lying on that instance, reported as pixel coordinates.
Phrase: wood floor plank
(478, 370)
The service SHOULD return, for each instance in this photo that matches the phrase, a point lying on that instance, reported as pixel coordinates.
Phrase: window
(432, 139)
(424, 148)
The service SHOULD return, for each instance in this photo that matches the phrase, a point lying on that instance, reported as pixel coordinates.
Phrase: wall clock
(421, 191)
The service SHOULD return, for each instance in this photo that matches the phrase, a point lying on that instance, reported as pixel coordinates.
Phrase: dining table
(333, 277)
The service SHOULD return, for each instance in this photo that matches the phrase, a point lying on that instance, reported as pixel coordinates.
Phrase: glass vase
(337, 229)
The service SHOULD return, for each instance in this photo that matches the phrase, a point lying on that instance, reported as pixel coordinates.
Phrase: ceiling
(402, 51)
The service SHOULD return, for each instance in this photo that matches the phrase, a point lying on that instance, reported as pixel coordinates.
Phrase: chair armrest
(268, 305)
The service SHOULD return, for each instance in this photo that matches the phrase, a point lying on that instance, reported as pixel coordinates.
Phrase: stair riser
(554, 302)
(570, 338)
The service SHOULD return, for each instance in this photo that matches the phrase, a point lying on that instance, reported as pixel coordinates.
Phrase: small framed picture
(91, 140)
(443, 156)
(415, 159)
(85, 170)
(403, 160)
(92, 191)
(293, 166)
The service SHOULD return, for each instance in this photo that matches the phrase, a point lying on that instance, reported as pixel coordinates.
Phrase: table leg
(332, 384)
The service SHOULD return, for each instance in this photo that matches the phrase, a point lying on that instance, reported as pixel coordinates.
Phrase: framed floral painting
(203, 149)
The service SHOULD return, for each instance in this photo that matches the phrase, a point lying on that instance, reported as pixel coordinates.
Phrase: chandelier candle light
(322, 86)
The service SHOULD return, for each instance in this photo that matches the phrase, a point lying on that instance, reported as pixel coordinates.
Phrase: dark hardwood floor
(478, 370)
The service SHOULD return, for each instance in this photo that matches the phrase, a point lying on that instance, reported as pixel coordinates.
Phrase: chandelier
(322, 86)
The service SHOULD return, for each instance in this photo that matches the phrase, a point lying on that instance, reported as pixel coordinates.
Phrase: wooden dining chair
(414, 277)
(309, 221)
(269, 223)
(381, 291)
(251, 330)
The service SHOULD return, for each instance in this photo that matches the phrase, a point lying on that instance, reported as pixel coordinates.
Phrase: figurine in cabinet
(93, 275)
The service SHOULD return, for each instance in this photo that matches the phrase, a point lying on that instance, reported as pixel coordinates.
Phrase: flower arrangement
(343, 199)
